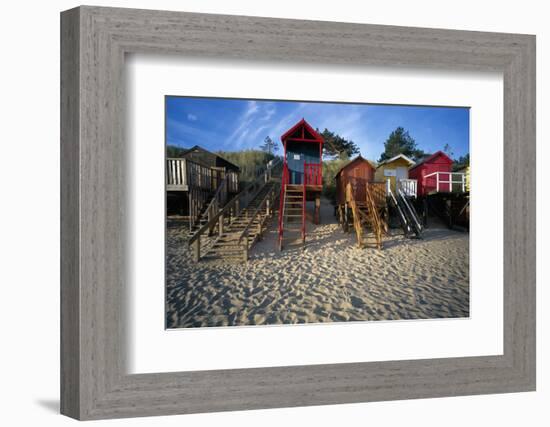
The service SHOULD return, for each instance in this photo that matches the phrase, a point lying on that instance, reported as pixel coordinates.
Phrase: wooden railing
(313, 174)
(176, 174)
(375, 192)
(232, 208)
(445, 182)
(407, 186)
(373, 215)
(350, 200)
(218, 200)
(378, 190)
(266, 204)
(182, 174)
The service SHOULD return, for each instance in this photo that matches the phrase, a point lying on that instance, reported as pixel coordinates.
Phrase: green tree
(461, 162)
(269, 146)
(174, 151)
(249, 161)
(448, 150)
(336, 146)
(400, 142)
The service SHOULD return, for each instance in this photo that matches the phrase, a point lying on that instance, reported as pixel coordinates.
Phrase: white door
(401, 173)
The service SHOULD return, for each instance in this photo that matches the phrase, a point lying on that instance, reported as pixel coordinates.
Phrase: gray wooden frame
(94, 382)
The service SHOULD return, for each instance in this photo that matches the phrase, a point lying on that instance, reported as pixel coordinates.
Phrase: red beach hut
(433, 174)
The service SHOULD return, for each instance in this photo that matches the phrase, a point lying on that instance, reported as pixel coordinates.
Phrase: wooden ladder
(292, 211)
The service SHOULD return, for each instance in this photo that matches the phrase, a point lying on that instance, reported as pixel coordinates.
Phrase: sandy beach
(331, 280)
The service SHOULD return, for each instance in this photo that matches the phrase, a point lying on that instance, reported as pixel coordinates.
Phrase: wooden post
(189, 209)
(209, 216)
(449, 207)
(267, 207)
(245, 249)
(197, 249)
(317, 209)
(260, 230)
(220, 224)
(425, 211)
(346, 218)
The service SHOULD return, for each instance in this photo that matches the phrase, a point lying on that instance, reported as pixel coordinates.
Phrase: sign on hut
(395, 173)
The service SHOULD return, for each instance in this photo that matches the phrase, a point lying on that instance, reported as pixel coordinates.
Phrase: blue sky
(235, 124)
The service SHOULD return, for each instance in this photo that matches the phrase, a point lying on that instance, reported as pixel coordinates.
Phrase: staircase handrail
(402, 217)
(232, 203)
(418, 227)
(376, 223)
(216, 201)
(255, 214)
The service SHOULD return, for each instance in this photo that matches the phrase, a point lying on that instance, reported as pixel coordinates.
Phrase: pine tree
(338, 147)
(269, 146)
(400, 142)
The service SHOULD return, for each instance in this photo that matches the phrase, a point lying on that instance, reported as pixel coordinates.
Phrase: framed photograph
(262, 213)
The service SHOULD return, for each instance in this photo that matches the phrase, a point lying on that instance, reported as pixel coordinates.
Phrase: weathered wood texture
(94, 380)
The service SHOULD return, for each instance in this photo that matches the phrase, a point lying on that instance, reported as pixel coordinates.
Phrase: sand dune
(331, 280)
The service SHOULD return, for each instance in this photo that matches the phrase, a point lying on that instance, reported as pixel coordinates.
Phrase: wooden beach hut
(395, 172)
(302, 178)
(441, 191)
(434, 174)
(357, 172)
(360, 201)
(197, 179)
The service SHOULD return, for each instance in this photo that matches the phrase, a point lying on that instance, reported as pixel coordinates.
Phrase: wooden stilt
(317, 209)
(220, 225)
(197, 250)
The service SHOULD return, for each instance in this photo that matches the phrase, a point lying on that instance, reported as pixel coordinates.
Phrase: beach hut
(358, 172)
(434, 174)
(192, 180)
(302, 178)
(361, 201)
(303, 148)
(394, 171)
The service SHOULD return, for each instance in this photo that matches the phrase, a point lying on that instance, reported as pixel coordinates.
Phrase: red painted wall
(438, 162)
(358, 172)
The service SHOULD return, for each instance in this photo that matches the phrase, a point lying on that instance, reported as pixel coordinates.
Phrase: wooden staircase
(202, 217)
(366, 214)
(292, 215)
(247, 228)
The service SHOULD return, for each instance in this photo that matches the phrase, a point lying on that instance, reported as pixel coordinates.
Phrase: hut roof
(208, 158)
(394, 158)
(300, 129)
(353, 161)
(431, 158)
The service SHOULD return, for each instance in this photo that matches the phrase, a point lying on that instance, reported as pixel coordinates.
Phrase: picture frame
(94, 379)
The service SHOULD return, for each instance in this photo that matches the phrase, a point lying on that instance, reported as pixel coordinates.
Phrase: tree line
(337, 150)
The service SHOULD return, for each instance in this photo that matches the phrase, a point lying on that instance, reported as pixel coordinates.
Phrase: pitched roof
(302, 123)
(359, 157)
(399, 156)
(432, 157)
(198, 148)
